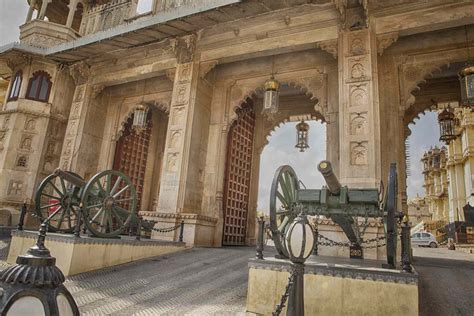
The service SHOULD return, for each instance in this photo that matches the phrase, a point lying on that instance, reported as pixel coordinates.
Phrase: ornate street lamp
(140, 117)
(447, 126)
(299, 244)
(302, 129)
(271, 98)
(35, 285)
(466, 79)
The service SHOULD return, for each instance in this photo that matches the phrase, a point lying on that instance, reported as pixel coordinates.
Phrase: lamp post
(302, 129)
(34, 285)
(299, 244)
(466, 80)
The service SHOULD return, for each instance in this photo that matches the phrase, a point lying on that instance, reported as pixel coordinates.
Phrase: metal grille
(238, 175)
(131, 155)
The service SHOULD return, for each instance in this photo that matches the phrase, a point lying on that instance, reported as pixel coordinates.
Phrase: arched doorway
(131, 154)
(238, 175)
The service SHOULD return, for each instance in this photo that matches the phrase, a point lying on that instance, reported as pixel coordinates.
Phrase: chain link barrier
(284, 297)
(166, 229)
(333, 243)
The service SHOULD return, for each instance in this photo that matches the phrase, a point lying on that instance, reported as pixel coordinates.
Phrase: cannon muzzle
(332, 182)
(70, 177)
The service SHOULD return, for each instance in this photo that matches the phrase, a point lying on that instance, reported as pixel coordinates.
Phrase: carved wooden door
(131, 153)
(238, 176)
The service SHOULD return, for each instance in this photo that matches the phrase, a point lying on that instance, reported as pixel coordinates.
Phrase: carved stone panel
(359, 124)
(16, 188)
(178, 116)
(175, 139)
(358, 69)
(358, 95)
(357, 46)
(30, 125)
(359, 154)
(172, 162)
(181, 94)
(184, 74)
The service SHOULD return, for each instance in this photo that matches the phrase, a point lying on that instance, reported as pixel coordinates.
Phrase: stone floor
(213, 281)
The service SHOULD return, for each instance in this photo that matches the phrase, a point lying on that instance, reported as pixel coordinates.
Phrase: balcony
(45, 34)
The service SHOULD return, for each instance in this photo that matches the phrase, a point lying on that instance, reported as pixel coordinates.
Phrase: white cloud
(144, 6)
(12, 15)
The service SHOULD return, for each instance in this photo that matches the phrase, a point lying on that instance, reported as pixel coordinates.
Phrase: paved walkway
(202, 281)
(446, 283)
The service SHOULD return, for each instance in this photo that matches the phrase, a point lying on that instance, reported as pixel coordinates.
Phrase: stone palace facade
(367, 68)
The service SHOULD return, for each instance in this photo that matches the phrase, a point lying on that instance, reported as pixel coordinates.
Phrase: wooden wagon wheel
(282, 201)
(108, 202)
(390, 216)
(58, 200)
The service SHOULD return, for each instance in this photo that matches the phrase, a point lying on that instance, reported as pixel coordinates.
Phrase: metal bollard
(77, 229)
(406, 247)
(260, 232)
(24, 209)
(139, 228)
(181, 231)
(316, 239)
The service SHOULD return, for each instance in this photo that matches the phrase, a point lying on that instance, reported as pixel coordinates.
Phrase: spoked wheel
(282, 202)
(390, 216)
(58, 200)
(108, 202)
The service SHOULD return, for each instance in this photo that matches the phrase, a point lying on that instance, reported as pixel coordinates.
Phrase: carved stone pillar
(44, 7)
(82, 139)
(72, 10)
(358, 109)
(29, 16)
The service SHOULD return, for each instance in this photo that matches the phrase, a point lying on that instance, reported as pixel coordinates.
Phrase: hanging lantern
(139, 118)
(447, 126)
(270, 100)
(302, 129)
(466, 79)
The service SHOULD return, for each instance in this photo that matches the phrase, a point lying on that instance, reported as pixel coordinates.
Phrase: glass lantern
(271, 98)
(139, 118)
(34, 285)
(447, 126)
(466, 80)
(300, 239)
(302, 129)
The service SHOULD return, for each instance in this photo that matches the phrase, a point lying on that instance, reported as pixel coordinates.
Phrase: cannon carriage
(342, 205)
(106, 204)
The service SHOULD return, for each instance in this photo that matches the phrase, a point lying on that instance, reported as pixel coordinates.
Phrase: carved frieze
(175, 139)
(358, 95)
(178, 116)
(185, 72)
(181, 94)
(359, 124)
(359, 153)
(30, 125)
(172, 162)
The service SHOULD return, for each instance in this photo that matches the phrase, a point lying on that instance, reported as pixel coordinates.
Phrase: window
(39, 87)
(22, 161)
(15, 88)
(424, 235)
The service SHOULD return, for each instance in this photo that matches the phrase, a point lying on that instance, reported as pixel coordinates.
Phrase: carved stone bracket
(384, 41)
(96, 90)
(183, 48)
(329, 46)
(79, 72)
(206, 67)
(17, 60)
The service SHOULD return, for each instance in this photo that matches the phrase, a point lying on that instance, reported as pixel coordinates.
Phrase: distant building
(418, 210)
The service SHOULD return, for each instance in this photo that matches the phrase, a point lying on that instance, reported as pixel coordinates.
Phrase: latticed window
(39, 87)
(15, 89)
(22, 161)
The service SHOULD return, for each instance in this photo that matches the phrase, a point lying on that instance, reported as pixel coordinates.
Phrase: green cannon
(106, 204)
(345, 207)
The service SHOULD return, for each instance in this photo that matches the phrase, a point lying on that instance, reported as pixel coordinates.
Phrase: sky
(280, 150)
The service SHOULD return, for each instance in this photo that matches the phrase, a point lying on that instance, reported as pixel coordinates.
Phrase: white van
(424, 239)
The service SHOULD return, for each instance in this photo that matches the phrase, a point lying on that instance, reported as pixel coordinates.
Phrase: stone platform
(77, 255)
(335, 286)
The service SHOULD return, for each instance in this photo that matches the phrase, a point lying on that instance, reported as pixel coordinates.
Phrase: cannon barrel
(77, 181)
(332, 182)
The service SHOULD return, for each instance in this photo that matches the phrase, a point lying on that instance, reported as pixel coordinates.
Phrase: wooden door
(238, 176)
(131, 153)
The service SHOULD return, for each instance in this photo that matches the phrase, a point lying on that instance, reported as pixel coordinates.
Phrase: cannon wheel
(282, 201)
(58, 198)
(390, 219)
(108, 202)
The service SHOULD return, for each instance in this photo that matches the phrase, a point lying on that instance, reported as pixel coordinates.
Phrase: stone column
(72, 10)
(359, 128)
(29, 16)
(44, 6)
(182, 179)
(83, 135)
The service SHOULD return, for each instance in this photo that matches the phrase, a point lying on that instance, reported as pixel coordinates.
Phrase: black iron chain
(167, 229)
(332, 243)
(284, 297)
